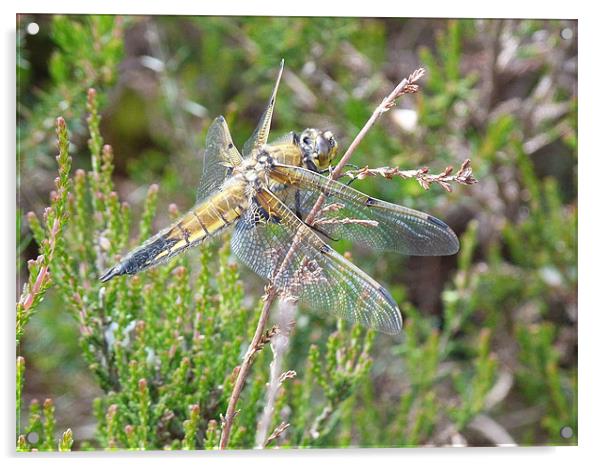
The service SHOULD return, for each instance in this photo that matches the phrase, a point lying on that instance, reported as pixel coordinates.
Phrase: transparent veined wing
(260, 136)
(274, 243)
(351, 214)
(219, 157)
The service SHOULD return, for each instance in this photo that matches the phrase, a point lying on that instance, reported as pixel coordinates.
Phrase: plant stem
(406, 86)
(279, 344)
(245, 367)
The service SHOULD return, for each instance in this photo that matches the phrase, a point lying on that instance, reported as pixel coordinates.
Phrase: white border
(441, 9)
(590, 168)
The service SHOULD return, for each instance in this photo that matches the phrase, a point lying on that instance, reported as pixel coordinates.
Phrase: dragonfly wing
(260, 135)
(278, 246)
(219, 158)
(351, 214)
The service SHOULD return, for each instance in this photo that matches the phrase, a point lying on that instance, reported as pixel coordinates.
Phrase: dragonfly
(266, 193)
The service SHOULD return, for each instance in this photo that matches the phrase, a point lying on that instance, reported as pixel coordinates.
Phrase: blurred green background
(500, 92)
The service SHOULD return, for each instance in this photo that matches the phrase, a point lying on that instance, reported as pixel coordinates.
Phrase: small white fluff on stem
(279, 344)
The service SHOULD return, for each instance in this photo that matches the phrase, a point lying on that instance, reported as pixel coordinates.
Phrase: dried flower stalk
(406, 86)
(422, 175)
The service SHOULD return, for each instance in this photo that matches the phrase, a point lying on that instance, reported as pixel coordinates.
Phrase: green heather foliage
(489, 335)
(86, 54)
(163, 345)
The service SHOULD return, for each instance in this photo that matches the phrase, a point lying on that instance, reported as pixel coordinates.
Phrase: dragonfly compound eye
(326, 149)
(319, 148)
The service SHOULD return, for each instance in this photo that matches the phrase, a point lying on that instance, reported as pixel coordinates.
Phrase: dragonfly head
(319, 148)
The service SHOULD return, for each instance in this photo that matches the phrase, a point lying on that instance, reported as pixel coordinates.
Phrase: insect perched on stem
(267, 193)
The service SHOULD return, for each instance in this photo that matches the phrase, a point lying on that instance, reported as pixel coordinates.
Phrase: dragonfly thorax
(254, 171)
(265, 160)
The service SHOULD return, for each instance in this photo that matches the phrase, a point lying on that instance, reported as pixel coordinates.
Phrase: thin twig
(279, 344)
(319, 422)
(406, 86)
(422, 175)
(278, 431)
(256, 344)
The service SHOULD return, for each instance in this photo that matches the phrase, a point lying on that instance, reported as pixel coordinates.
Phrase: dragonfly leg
(322, 232)
(351, 178)
(298, 204)
(330, 168)
(326, 170)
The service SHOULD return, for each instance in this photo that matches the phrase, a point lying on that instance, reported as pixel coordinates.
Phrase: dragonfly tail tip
(112, 272)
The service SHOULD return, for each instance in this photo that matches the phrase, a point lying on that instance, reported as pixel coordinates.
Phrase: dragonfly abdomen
(203, 221)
